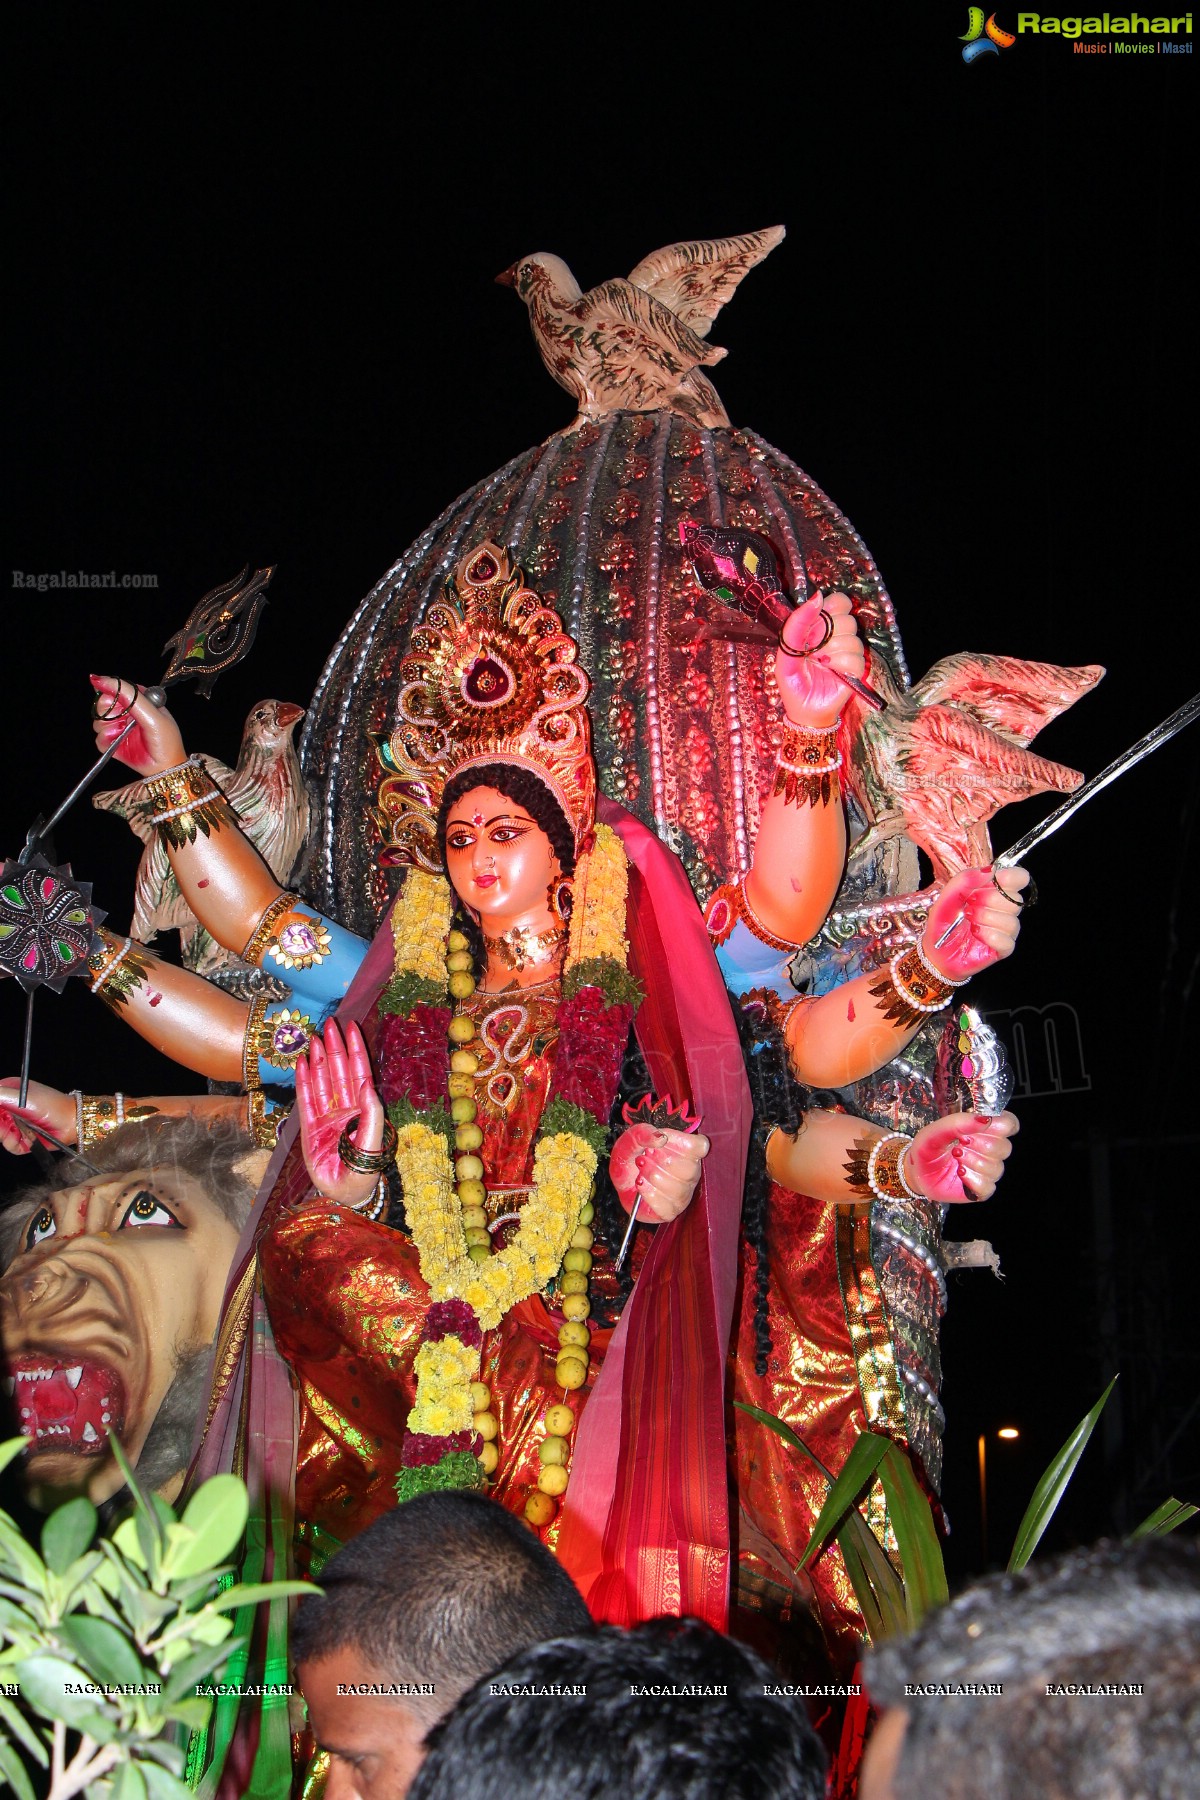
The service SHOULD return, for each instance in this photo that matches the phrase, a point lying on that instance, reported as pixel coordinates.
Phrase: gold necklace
(523, 948)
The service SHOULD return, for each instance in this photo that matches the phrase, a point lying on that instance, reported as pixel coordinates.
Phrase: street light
(1008, 1433)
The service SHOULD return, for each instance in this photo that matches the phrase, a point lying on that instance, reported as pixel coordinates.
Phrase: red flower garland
(590, 1051)
(412, 1055)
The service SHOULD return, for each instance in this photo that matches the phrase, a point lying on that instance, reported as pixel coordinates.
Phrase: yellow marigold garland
(420, 923)
(564, 1170)
(601, 896)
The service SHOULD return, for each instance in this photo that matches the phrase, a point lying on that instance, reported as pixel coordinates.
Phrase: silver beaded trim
(923, 1255)
(947, 980)
(177, 812)
(111, 968)
(889, 1137)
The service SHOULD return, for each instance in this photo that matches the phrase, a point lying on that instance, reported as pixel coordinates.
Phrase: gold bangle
(875, 1168)
(96, 1115)
(806, 772)
(910, 989)
(369, 1162)
(118, 969)
(187, 801)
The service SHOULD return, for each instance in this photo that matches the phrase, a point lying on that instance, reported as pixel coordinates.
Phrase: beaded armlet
(186, 802)
(806, 772)
(912, 988)
(875, 1166)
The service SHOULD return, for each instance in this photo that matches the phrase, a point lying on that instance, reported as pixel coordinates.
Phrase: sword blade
(1128, 759)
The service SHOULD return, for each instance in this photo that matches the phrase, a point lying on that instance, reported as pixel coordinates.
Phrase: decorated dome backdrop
(686, 728)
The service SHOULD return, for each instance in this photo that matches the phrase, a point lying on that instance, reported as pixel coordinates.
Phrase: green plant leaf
(1050, 1489)
(22, 1559)
(162, 1785)
(67, 1533)
(20, 1728)
(45, 1683)
(252, 1592)
(127, 1540)
(10, 1449)
(216, 1518)
(193, 1712)
(886, 1584)
(13, 1771)
(1167, 1517)
(196, 1668)
(856, 1473)
(864, 1593)
(105, 1650)
(916, 1536)
(129, 1782)
(786, 1433)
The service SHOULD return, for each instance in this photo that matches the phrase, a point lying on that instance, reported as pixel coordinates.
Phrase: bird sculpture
(946, 754)
(639, 344)
(267, 792)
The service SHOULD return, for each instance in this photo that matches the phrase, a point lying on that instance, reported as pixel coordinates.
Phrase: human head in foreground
(1115, 1617)
(669, 1710)
(429, 1598)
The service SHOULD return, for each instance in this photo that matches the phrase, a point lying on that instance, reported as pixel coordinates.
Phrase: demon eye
(43, 1225)
(146, 1209)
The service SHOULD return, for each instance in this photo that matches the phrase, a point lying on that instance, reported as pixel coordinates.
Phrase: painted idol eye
(146, 1209)
(43, 1225)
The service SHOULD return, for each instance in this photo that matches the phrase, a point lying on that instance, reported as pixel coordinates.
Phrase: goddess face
(499, 860)
(115, 1284)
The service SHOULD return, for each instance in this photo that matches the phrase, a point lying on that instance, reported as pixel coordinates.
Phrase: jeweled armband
(118, 968)
(98, 1114)
(875, 1166)
(263, 1118)
(806, 771)
(729, 905)
(187, 801)
(911, 988)
(276, 1038)
(289, 934)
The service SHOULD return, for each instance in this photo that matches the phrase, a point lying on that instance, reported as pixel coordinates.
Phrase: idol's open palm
(334, 1088)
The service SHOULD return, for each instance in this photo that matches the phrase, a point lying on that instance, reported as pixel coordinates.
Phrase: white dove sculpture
(267, 792)
(639, 344)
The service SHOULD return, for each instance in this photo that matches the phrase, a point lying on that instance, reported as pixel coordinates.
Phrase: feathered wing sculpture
(268, 794)
(944, 756)
(639, 344)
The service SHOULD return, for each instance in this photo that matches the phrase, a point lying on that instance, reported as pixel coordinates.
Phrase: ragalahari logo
(983, 38)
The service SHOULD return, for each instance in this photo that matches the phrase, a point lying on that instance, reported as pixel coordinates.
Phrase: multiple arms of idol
(861, 1025)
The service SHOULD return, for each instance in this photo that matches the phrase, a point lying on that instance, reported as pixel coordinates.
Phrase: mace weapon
(1128, 759)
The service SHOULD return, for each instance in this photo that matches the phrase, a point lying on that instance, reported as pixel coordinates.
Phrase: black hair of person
(778, 1101)
(667, 1710)
(1110, 1617)
(438, 1590)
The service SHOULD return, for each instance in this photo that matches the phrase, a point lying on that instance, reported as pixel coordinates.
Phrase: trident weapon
(1128, 759)
(47, 921)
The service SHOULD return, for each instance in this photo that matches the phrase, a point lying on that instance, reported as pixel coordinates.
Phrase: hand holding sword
(1007, 860)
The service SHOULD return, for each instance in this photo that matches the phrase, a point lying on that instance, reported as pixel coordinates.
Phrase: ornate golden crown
(490, 677)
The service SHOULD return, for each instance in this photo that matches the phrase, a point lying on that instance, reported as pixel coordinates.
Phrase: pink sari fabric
(645, 1524)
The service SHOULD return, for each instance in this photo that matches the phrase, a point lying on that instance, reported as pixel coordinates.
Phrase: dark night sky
(251, 270)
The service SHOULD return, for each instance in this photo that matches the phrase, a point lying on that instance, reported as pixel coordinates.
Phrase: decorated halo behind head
(491, 677)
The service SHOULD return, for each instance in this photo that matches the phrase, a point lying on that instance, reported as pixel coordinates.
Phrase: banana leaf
(1164, 1518)
(1050, 1489)
(916, 1536)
